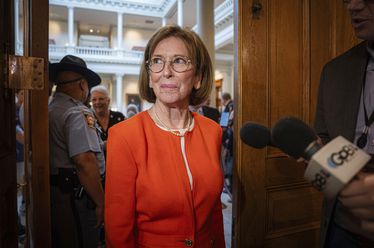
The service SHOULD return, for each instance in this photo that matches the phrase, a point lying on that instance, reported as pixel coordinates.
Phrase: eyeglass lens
(178, 64)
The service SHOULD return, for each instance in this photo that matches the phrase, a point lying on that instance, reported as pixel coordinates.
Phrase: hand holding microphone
(331, 166)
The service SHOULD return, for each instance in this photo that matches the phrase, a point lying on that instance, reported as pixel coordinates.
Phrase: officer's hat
(74, 64)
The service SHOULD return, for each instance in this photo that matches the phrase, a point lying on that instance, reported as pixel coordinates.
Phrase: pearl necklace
(179, 134)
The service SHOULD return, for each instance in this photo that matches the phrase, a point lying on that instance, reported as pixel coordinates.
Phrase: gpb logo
(344, 155)
(320, 180)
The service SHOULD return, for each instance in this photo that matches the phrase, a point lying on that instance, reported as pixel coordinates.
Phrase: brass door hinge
(24, 73)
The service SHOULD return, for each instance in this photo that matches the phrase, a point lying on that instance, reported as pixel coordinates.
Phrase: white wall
(131, 37)
(130, 86)
(58, 30)
(225, 72)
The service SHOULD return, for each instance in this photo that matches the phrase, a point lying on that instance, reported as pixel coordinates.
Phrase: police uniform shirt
(71, 132)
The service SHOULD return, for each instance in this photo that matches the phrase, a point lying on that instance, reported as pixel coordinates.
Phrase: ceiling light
(91, 30)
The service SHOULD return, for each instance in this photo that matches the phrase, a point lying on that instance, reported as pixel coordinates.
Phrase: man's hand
(89, 177)
(358, 197)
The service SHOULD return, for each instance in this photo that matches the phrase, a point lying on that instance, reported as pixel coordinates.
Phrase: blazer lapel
(354, 82)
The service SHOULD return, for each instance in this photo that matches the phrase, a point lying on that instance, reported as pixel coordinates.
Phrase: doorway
(18, 21)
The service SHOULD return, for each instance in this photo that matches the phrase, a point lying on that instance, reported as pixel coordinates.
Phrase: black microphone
(255, 135)
(295, 138)
(331, 166)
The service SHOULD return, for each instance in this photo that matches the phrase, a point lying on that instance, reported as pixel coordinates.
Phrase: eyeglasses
(178, 64)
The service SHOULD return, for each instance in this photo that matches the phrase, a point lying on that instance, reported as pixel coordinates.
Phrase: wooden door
(281, 50)
(8, 184)
(39, 207)
(35, 44)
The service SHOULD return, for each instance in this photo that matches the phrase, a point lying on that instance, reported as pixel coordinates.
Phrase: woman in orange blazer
(163, 178)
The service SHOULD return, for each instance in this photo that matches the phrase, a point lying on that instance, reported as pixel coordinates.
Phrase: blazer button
(188, 242)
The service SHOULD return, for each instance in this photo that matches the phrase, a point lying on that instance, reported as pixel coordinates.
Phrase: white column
(119, 30)
(164, 21)
(71, 25)
(180, 13)
(205, 29)
(16, 24)
(119, 93)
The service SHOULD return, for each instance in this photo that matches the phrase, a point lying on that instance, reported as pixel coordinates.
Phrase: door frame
(38, 115)
(36, 108)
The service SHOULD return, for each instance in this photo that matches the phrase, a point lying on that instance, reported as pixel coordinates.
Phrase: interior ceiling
(104, 20)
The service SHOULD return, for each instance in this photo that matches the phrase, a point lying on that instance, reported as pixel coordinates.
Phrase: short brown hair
(198, 54)
(226, 96)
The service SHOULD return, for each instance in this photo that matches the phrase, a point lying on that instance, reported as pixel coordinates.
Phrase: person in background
(20, 141)
(208, 111)
(106, 118)
(227, 138)
(345, 107)
(76, 158)
(131, 110)
(164, 181)
(20, 138)
(228, 107)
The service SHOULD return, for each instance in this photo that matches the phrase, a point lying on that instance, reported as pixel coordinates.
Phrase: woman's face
(100, 102)
(170, 87)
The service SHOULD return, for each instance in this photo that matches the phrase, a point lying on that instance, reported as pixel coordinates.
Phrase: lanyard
(363, 139)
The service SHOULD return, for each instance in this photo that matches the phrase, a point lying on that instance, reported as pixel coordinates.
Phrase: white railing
(95, 51)
(145, 8)
(97, 54)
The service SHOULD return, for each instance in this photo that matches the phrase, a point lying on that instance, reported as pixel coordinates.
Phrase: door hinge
(24, 72)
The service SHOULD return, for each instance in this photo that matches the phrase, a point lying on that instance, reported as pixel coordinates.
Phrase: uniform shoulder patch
(90, 119)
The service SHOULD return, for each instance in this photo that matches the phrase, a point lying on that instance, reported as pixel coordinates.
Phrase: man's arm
(89, 177)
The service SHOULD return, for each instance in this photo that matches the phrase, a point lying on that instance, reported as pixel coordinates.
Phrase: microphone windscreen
(292, 136)
(255, 135)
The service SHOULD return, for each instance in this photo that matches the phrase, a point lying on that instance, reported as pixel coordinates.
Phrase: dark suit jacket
(338, 104)
(211, 113)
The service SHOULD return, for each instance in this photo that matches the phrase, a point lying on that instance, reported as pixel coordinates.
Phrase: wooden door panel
(281, 51)
(295, 207)
(287, 29)
(322, 45)
(282, 171)
(302, 239)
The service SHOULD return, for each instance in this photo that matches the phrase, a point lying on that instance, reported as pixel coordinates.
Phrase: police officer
(76, 158)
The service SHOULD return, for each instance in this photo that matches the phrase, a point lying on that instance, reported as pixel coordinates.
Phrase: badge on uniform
(90, 120)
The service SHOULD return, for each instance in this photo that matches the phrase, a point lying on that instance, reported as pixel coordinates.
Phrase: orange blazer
(148, 199)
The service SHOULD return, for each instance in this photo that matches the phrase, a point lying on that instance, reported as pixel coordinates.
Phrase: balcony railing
(108, 55)
(144, 8)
